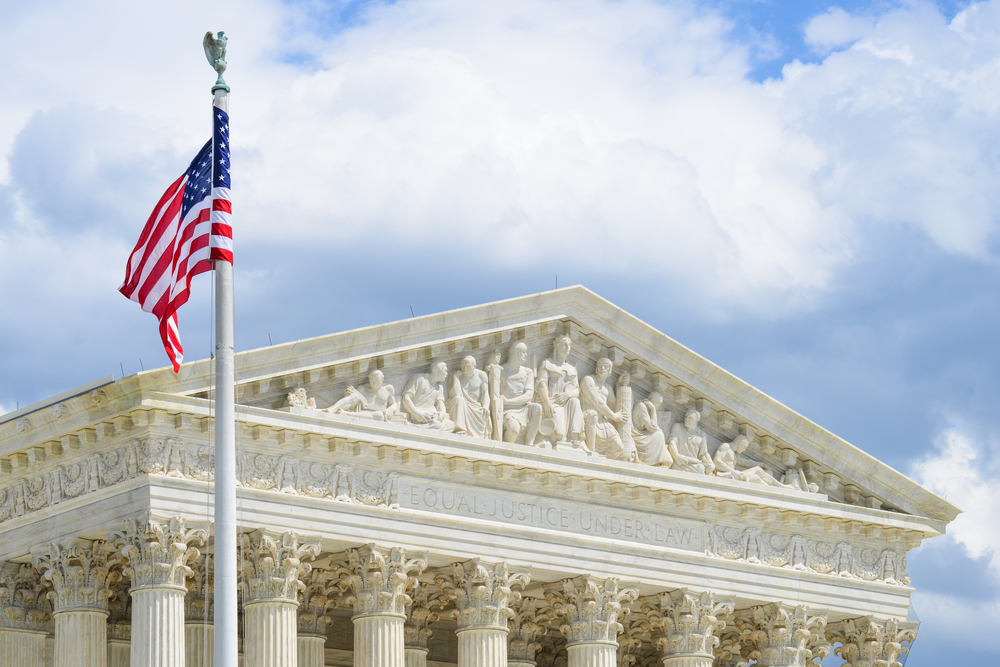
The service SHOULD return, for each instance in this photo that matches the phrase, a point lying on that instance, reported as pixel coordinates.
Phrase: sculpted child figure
(650, 441)
(469, 400)
(372, 401)
(599, 419)
(513, 395)
(423, 399)
(688, 446)
(558, 391)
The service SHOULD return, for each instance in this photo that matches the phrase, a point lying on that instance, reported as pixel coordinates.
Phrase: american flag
(190, 227)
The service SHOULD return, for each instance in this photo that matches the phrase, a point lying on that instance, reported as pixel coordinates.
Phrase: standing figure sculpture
(688, 446)
(469, 400)
(650, 441)
(372, 401)
(600, 419)
(513, 387)
(558, 391)
(423, 399)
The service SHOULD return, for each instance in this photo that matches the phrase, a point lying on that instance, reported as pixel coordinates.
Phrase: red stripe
(220, 229)
(222, 205)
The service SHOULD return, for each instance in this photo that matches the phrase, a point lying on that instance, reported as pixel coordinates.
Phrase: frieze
(171, 457)
(798, 552)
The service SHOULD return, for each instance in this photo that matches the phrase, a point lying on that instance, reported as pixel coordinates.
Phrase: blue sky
(803, 192)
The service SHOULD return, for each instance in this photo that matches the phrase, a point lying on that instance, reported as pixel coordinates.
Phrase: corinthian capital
(273, 564)
(317, 596)
(82, 574)
(379, 577)
(22, 598)
(157, 553)
(688, 622)
(591, 607)
(867, 642)
(201, 591)
(420, 614)
(483, 592)
(527, 626)
(779, 634)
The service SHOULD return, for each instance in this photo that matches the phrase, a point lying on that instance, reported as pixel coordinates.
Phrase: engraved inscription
(532, 511)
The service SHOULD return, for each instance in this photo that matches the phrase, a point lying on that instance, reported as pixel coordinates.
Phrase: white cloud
(960, 472)
(836, 28)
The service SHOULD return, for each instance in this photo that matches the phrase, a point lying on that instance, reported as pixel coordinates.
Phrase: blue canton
(199, 176)
(221, 140)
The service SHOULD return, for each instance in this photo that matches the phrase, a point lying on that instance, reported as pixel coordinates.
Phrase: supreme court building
(541, 481)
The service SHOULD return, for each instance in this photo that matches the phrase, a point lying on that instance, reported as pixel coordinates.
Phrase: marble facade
(534, 482)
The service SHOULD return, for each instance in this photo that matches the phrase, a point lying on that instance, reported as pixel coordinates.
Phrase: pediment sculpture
(549, 406)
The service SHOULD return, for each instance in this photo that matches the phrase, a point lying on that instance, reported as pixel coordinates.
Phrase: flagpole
(225, 602)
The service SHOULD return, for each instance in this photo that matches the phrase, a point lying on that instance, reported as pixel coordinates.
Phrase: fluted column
(120, 626)
(378, 578)
(867, 642)
(199, 632)
(420, 615)
(157, 556)
(315, 599)
(82, 574)
(483, 594)
(526, 627)
(22, 616)
(779, 635)
(687, 627)
(273, 565)
(591, 609)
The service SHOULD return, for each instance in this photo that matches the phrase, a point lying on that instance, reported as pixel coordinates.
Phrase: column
(273, 565)
(420, 615)
(157, 554)
(780, 635)
(686, 627)
(82, 574)
(526, 627)
(120, 626)
(22, 616)
(314, 600)
(199, 632)
(591, 609)
(483, 593)
(867, 642)
(378, 578)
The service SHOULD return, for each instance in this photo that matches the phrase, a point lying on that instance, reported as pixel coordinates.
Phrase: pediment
(781, 441)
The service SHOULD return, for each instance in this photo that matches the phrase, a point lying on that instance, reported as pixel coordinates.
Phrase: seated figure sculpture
(516, 415)
(650, 441)
(725, 464)
(688, 446)
(469, 400)
(423, 399)
(375, 400)
(600, 421)
(557, 390)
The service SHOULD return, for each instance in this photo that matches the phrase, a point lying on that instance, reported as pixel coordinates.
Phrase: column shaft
(119, 653)
(199, 645)
(482, 647)
(81, 638)
(24, 648)
(593, 654)
(312, 651)
(378, 640)
(270, 635)
(158, 626)
(415, 657)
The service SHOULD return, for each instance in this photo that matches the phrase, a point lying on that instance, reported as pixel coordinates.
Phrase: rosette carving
(82, 574)
(23, 603)
(866, 642)
(273, 565)
(483, 592)
(591, 607)
(778, 634)
(157, 554)
(379, 578)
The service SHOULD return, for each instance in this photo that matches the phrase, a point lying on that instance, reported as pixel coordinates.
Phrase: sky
(803, 192)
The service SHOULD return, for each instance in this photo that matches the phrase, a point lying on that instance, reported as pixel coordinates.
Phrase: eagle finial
(215, 51)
